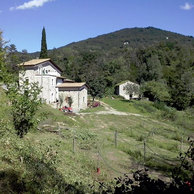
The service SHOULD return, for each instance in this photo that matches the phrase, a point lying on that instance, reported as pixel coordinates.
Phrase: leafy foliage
(61, 100)
(139, 55)
(143, 183)
(25, 101)
(155, 91)
(131, 89)
(69, 101)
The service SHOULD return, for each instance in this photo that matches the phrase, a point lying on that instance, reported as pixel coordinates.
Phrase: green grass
(158, 111)
(133, 106)
(48, 157)
(95, 109)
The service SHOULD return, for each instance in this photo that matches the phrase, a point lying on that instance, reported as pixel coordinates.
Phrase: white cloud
(30, 4)
(187, 6)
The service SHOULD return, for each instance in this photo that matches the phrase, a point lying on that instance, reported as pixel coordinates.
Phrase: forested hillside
(161, 61)
(44, 150)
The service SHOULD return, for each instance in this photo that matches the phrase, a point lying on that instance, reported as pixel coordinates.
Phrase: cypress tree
(43, 52)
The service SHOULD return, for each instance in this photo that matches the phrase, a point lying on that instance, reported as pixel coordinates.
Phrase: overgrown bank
(64, 154)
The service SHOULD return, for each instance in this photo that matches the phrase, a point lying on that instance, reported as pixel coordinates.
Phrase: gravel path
(109, 110)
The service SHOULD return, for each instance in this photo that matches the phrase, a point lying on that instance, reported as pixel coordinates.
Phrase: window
(83, 99)
(52, 82)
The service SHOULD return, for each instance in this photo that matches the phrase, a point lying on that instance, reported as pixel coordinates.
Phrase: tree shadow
(38, 176)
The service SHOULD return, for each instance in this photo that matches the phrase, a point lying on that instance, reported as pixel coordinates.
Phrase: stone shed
(74, 92)
(120, 90)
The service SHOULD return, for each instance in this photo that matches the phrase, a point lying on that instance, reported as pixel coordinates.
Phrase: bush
(155, 91)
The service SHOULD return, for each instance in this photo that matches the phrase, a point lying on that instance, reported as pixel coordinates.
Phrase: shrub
(155, 91)
(25, 102)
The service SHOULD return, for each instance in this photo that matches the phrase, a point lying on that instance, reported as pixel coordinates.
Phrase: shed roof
(71, 85)
(123, 82)
(34, 62)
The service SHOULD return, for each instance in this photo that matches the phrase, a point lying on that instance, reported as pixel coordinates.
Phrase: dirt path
(110, 110)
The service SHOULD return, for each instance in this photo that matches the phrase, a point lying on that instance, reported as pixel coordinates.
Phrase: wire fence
(141, 151)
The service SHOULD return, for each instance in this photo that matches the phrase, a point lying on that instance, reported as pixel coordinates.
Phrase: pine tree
(43, 53)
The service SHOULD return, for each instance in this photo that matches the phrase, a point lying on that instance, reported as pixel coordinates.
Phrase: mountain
(128, 37)
(142, 55)
(133, 37)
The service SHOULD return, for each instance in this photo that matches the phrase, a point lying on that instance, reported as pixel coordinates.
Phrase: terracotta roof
(34, 62)
(71, 85)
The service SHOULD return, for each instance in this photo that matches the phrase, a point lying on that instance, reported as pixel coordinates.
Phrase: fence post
(182, 144)
(115, 139)
(73, 145)
(98, 163)
(58, 129)
(182, 140)
(144, 155)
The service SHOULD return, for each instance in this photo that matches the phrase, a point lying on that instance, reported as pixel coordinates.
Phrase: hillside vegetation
(66, 150)
(82, 153)
(161, 61)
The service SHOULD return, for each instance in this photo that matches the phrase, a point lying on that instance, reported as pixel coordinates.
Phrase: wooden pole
(182, 144)
(115, 139)
(144, 148)
(182, 140)
(98, 163)
(73, 145)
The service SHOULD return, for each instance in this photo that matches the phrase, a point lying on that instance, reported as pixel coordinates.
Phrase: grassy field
(68, 149)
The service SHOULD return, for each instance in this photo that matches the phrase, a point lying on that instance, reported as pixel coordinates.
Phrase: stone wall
(78, 95)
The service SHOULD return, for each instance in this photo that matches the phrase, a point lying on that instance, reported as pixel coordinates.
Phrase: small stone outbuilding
(120, 90)
(77, 92)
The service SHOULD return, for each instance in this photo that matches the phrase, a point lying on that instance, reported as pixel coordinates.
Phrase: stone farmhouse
(55, 88)
(121, 91)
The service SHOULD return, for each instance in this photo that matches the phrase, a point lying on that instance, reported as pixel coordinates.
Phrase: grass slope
(66, 150)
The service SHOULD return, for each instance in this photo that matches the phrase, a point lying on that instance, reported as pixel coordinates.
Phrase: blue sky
(69, 21)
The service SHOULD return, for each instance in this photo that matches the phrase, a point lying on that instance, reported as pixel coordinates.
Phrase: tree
(96, 87)
(150, 68)
(24, 51)
(92, 73)
(131, 89)
(61, 100)
(1, 50)
(23, 96)
(12, 48)
(43, 52)
(12, 58)
(181, 92)
(25, 101)
(69, 101)
(2, 56)
(155, 91)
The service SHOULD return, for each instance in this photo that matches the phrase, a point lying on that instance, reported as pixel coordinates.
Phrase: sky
(69, 21)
